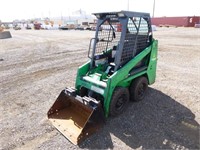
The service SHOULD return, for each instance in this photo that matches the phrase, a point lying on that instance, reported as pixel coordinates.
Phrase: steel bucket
(76, 117)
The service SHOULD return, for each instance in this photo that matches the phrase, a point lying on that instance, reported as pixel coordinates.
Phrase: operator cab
(121, 38)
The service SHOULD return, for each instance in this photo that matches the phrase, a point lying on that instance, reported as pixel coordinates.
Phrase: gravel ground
(36, 65)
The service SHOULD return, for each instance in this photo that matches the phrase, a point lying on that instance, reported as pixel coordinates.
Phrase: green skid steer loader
(123, 58)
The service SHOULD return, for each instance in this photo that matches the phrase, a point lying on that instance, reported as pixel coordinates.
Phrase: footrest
(135, 71)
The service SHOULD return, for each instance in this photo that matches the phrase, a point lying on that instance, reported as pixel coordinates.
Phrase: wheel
(119, 101)
(138, 89)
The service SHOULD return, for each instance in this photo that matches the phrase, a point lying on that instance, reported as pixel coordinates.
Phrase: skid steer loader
(123, 58)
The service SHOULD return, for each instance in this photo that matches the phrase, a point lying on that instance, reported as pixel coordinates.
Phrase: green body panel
(98, 81)
(82, 71)
(151, 71)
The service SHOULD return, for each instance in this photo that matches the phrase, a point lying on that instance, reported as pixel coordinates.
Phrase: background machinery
(4, 34)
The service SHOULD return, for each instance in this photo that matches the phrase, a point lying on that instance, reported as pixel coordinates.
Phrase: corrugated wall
(176, 21)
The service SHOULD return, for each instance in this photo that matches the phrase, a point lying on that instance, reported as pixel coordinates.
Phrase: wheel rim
(120, 103)
(141, 90)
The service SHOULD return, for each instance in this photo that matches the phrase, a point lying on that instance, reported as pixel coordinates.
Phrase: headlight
(121, 15)
(98, 16)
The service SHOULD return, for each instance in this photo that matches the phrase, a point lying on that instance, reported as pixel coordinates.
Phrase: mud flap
(76, 117)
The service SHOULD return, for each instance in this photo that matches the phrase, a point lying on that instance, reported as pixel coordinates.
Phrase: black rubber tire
(119, 101)
(138, 89)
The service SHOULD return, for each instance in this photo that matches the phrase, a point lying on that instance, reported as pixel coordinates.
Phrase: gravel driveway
(36, 65)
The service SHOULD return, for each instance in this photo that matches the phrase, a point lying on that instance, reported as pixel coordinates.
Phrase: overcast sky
(24, 9)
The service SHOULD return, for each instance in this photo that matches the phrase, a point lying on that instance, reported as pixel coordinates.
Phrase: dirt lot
(36, 65)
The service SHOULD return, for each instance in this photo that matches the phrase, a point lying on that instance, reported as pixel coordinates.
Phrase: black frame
(123, 17)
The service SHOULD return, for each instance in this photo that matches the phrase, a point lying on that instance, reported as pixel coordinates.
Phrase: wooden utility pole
(128, 6)
(154, 3)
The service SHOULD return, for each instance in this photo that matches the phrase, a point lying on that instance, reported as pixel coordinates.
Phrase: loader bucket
(76, 117)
